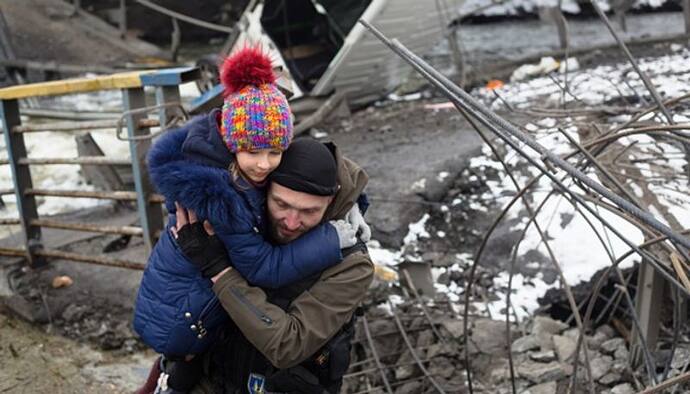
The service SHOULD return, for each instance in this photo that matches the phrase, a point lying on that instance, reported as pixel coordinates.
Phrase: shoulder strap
(360, 246)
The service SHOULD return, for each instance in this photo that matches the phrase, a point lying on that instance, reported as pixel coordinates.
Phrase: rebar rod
(413, 288)
(668, 384)
(552, 255)
(645, 79)
(479, 110)
(374, 352)
(413, 353)
(448, 89)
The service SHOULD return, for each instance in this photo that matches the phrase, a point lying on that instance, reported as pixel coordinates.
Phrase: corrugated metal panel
(366, 68)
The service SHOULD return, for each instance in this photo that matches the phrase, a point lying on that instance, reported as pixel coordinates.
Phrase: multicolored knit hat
(255, 113)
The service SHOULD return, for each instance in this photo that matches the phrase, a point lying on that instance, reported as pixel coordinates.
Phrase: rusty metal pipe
(111, 195)
(58, 254)
(121, 230)
(80, 126)
(92, 160)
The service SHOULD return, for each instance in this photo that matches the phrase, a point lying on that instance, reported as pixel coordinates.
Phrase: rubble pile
(434, 354)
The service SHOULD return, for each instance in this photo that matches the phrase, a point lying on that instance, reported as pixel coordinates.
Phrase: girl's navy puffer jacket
(176, 311)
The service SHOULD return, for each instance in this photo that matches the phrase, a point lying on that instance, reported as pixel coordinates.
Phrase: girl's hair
(236, 175)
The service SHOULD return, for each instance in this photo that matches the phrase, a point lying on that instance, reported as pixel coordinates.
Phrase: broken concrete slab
(565, 347)
(526, 343)
(540, 373)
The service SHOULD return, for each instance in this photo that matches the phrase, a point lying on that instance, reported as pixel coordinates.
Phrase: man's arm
(288, 338)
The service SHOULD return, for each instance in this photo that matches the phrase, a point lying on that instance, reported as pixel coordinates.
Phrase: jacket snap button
(187, 315)
(256, 230)
(193, 327)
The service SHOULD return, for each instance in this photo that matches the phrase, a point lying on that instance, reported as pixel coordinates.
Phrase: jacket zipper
(262, 316)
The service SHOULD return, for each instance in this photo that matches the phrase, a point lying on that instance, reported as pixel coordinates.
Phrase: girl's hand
(199, 243)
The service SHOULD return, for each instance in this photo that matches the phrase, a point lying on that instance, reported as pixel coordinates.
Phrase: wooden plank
(124, 80)
(77, 85)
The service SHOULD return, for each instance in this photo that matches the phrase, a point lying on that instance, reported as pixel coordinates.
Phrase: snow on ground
(518, 7)
(670, 74)
(572, 234)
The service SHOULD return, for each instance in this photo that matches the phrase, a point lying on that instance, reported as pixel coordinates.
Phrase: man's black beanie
(307, 166)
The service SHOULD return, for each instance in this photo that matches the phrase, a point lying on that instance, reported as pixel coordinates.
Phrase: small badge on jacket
(255, 383)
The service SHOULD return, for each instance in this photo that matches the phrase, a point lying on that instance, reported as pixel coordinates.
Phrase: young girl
(216, 166)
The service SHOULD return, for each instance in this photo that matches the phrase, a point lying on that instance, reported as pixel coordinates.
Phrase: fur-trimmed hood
(190, 165)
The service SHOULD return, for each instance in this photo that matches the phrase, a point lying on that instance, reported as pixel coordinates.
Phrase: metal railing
(138, 136)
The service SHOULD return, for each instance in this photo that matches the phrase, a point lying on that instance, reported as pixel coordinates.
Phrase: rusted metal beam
(80, 126)
(9, 221)
(150, 215)
(26, 204)
(58, 254)
(111, 195)
(94, 160)
(4, 192)
(81, 258)
(12, 252)
(121, 230)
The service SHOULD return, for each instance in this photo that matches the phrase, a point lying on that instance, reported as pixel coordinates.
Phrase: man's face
(293, 213)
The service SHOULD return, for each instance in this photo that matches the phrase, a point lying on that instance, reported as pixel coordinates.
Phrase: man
(297, 338)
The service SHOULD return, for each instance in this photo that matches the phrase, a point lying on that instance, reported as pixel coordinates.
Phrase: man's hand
(355, 218)
(199, 243)
(346, 233)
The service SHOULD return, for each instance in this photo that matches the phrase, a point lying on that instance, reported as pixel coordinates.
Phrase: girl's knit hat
(255, 113)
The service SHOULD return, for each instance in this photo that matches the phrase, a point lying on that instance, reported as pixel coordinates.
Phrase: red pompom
(248, 66)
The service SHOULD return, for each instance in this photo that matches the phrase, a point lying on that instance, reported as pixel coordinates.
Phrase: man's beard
(277, 236)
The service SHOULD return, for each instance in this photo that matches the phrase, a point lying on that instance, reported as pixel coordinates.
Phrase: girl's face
(256, 165)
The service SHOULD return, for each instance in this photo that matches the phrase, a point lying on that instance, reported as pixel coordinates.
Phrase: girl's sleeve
(266, 265)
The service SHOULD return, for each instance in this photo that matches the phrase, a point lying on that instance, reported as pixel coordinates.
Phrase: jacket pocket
(256, 311)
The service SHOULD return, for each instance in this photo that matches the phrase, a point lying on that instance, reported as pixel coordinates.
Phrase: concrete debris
(625, 388)
(540, 373)
(489, 336)
(610, 346)
(544, 388)
(543, 324)
(601, 366)
(521, 345)
(610, 378)
(565, 347)
(543, 357)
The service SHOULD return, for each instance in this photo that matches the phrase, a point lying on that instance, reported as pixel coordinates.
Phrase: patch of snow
(382, 256)
(523, 298)
(545, 66)
(417, 230)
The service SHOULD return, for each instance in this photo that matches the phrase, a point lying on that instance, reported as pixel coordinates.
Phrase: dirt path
(34, 361)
